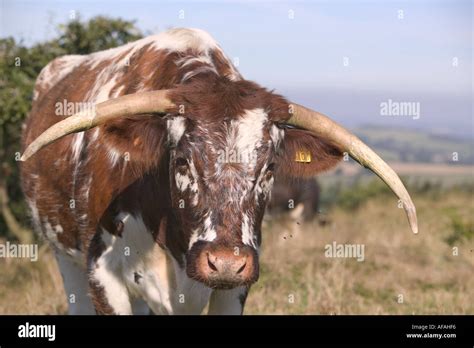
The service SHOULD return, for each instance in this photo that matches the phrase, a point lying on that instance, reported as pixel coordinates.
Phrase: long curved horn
(127, 105)
(324, 127)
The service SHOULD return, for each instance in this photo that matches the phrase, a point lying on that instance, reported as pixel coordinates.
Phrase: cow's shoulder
(54, 72)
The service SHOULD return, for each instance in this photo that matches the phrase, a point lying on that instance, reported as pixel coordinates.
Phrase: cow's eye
(269, 171)
(271, 167)
(181, 162)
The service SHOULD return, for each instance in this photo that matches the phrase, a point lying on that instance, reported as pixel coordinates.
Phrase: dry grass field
(421, 268)
(297, 278)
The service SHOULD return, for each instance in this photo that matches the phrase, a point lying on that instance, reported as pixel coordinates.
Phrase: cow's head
(226, 141)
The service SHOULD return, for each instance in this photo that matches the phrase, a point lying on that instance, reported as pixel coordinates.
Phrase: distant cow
(293, 194)
(155, 194)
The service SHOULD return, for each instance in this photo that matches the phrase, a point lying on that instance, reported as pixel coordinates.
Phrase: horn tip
(26, 155)
(412, 219)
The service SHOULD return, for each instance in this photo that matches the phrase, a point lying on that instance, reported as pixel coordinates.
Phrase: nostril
(241, 269)
(211, 265)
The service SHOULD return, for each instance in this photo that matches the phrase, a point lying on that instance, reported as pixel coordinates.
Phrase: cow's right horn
(326, 128)
(127, 105)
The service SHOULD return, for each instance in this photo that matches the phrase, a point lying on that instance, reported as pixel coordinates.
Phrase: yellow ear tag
(303, 156)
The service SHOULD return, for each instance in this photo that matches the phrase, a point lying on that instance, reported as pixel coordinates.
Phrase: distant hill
(408, 145)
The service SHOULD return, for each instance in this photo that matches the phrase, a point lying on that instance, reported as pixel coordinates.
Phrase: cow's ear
(304, 155)
(139, 141)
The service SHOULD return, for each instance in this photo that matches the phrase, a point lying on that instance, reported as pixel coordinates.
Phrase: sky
(343, 58)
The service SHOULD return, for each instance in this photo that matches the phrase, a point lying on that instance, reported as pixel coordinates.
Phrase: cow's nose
(227, 268)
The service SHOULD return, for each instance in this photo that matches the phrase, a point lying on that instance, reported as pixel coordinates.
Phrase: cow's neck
(148, 197)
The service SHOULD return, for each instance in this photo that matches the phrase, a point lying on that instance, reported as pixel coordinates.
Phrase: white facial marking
(194, 185)
(244, 138)
(193, 239)
(263, 186)
(277, 135)
(176, 128)
(267, 186)
(188, 181)
(248, 237)
(182, 181)
(249, 132)
(207, 233)
(195, 200)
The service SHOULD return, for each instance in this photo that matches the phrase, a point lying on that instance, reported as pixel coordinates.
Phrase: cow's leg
(229, 302)
(107, 286)
(75, 285)
(140, 307)
(109, 292)
(167, 289)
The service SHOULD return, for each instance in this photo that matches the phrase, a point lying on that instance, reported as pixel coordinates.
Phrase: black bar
(261, 330)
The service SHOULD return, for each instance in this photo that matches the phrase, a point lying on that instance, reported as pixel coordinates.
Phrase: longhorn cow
(153, 198)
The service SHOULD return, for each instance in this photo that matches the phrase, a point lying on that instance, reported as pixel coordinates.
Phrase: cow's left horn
(324, 127)
(127, 105)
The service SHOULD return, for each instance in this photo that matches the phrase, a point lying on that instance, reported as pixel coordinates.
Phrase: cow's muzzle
(222, 267)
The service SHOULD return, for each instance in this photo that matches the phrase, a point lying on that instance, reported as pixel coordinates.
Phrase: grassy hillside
(407, 145)
(421, 268)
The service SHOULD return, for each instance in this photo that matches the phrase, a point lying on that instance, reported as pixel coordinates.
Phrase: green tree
(98, 34)
(19, 67)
